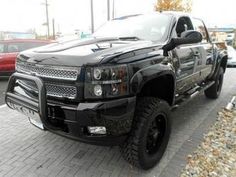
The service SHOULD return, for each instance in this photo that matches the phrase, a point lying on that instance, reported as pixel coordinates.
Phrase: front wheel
(150, 134)
(214, 91)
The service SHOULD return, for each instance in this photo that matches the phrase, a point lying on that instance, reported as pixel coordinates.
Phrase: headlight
(106, 82)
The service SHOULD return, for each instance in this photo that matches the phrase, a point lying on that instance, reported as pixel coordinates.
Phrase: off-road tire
(214, 91)
(135, 149)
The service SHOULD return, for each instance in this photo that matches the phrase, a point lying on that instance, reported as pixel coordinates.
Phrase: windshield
(147, 27)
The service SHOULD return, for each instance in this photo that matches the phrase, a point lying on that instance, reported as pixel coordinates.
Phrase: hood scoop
(58, 47)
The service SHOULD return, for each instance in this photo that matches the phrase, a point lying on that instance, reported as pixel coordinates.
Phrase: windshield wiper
(129, 38)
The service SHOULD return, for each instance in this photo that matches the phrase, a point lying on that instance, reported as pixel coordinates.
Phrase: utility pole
(113, 9)
(53, 29)
(47, 18)
(92, 17)
(108, 10)
(46, 4)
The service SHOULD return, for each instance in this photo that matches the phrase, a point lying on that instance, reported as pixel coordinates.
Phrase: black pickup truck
(118, 86)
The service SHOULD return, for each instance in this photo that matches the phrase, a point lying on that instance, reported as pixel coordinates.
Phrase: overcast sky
(21, 15)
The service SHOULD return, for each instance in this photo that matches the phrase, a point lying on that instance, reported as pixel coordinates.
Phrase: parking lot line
(3, 106)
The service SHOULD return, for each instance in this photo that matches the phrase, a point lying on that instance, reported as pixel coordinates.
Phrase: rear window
(21, 46)
(13, 48)
(26, 46)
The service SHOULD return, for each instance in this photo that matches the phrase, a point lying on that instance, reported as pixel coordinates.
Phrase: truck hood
(92, 51)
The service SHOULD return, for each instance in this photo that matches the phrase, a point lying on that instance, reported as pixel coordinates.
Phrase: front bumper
(71, 120)
(6, 73)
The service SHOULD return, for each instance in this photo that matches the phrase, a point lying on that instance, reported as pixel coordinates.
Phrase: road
(3, 85)
(28, 151)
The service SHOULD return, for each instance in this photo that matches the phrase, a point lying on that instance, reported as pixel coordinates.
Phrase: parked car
(118, 87)
(9, 50)
(231, 56)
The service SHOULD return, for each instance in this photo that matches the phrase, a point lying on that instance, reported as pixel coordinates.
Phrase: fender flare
(222, 59)
(145, 75)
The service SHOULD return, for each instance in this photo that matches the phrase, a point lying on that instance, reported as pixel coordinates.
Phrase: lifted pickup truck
(118, 87)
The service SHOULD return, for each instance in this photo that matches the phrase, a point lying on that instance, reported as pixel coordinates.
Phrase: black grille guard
(40, 107)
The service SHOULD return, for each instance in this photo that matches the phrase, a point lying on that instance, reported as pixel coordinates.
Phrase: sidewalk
(216, 155)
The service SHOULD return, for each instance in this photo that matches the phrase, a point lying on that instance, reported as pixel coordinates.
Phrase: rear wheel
(150, 134)
(214, 91)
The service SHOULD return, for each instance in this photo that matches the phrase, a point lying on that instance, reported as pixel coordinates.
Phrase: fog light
(98, 90)
(97, 130)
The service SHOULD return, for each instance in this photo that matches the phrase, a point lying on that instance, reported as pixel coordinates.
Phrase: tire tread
(130, 147)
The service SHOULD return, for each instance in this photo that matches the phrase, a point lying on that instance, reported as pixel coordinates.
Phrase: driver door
(187, 56)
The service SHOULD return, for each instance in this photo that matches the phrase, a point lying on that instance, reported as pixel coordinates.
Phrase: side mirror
(187, 37)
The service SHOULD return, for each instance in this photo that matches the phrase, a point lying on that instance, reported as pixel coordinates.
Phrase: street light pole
(92, 17)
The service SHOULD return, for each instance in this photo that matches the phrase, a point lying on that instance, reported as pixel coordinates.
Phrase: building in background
(5, 35)
(223, 34)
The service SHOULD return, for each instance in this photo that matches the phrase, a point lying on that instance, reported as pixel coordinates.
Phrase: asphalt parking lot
(28, 151)
(3, 86)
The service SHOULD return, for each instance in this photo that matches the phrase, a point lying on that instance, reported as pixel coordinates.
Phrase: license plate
(33, 116)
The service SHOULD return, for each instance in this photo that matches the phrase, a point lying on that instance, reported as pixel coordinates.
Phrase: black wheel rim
(156, 133)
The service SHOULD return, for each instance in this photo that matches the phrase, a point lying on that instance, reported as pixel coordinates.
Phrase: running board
(186, 98)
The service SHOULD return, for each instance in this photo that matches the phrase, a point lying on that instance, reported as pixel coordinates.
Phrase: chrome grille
(65, 73)
(55, 90)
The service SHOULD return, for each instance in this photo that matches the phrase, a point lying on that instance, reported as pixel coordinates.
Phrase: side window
(11, 48)
(184, 24)
(200, 27)
(2, 48)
